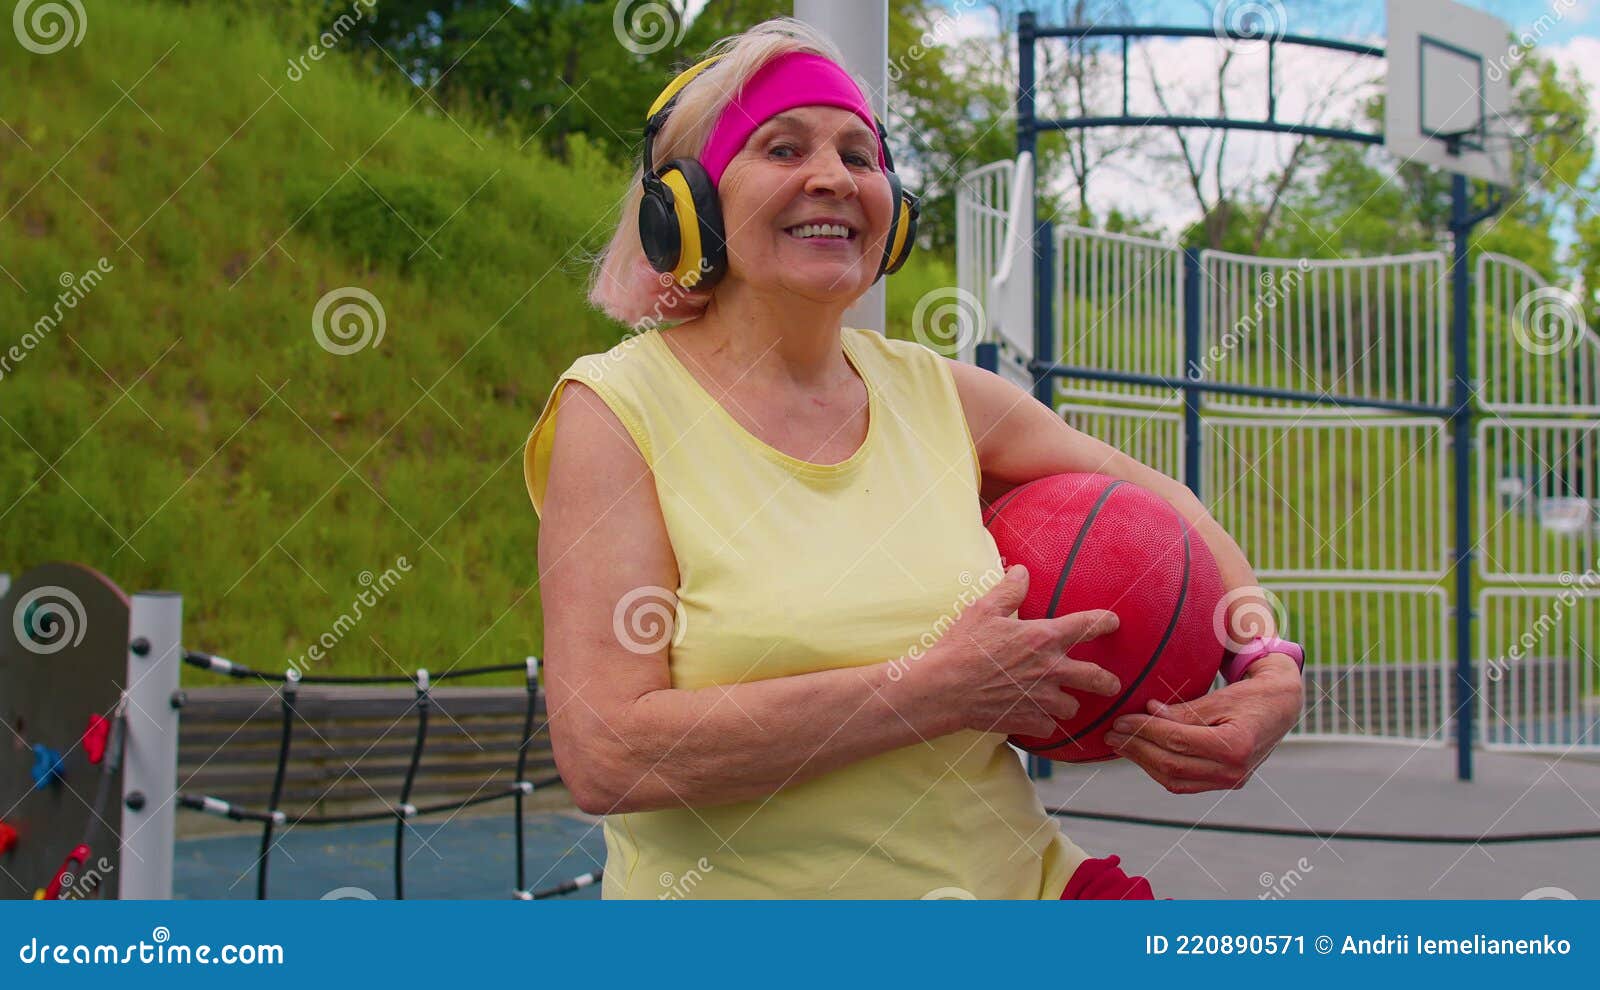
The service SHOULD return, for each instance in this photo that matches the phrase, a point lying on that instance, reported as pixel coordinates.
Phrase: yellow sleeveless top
(787, 567)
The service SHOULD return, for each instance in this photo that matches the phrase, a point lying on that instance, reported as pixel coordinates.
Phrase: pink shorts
(1103, 880)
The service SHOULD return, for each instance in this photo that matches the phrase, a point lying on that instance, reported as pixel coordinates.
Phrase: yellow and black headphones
(680, 216)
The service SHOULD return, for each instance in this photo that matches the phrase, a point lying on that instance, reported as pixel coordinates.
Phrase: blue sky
(1365, 18)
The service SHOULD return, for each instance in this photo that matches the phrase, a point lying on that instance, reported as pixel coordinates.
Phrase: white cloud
(1582, 54)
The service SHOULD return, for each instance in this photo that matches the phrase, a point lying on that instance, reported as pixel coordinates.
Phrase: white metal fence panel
(1367, 328)
(1354, 497)
(1119, 307)
(1538, 497)
(1149, 436)
(983, 200)
(994, 259)
(1377, 663)
(1539, 667)
(1536, 352)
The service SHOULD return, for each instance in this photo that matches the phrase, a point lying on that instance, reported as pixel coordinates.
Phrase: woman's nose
(828, 173)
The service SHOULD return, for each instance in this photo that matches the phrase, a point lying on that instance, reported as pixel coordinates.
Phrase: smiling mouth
(822, 232)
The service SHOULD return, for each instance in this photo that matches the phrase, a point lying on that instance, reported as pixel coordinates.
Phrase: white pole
(150, 752)
(861, 30)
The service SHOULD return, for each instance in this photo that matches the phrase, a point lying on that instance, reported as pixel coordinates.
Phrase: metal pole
(1026, 27)
(1192, 370)
(150, 755)
(1461, 224)
(1042, 239)
(1044, 306)
(861, 30)
(1044, 341)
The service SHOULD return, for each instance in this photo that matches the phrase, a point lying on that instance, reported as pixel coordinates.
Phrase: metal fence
(1309, 403)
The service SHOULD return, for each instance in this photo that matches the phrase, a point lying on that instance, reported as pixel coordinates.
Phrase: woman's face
(807, 165)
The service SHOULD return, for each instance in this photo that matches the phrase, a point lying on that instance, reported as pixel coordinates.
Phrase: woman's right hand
(1007, 674)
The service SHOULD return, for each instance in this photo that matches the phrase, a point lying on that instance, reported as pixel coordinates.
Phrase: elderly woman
(748, 518)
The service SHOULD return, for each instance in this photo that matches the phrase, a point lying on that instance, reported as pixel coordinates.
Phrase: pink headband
(796, 79)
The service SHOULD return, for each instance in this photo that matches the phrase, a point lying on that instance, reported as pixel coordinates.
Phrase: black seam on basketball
(994, 510)
(1077, 544)
(1166, 637)
(1066, 569)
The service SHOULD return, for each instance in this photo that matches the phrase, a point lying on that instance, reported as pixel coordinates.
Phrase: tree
(547, 68)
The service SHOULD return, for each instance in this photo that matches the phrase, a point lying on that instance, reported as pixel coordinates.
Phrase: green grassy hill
(175, 206)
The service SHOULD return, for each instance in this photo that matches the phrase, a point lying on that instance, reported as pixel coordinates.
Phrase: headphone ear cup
(904, 216)
(680, 225)
(713, 261)
(658, 224)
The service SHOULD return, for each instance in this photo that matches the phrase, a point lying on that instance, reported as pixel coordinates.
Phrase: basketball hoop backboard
(1448, 95)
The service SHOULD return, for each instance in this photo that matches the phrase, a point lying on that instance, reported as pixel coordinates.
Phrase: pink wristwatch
(1233, 666)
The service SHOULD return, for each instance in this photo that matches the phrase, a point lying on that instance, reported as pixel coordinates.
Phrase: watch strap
(1234, 666)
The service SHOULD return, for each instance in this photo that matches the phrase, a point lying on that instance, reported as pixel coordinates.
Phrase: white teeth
(820, 230)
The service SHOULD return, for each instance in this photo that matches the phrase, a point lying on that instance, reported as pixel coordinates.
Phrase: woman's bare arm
(1019, 439)
(625, 740)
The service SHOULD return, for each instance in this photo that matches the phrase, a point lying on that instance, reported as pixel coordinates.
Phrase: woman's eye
(856, 158)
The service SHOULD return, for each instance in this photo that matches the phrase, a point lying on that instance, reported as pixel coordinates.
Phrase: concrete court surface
(1369, 787)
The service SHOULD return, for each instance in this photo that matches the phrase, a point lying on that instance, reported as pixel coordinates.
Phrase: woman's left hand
(1216, 741)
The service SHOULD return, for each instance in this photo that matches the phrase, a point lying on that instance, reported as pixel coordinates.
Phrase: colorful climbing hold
(8, 838)
(47, 766)
(71, 870)
(95, 736)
